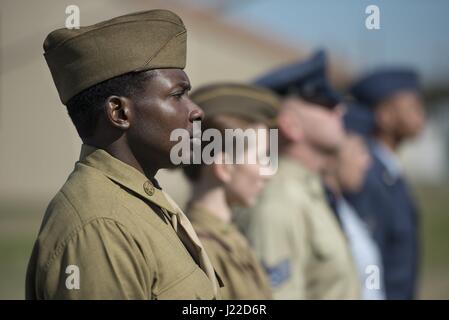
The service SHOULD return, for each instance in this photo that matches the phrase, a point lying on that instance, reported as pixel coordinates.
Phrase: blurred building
(39, 145)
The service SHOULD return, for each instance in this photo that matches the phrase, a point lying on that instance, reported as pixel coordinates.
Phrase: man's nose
(196, 114)
(340, 110)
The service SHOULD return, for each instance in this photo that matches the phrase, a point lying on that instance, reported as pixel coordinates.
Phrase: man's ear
(290, 127)
(385, 118)
(340, 110)
(118, 111)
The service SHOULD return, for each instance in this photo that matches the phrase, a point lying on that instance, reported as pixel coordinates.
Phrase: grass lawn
(19, 223)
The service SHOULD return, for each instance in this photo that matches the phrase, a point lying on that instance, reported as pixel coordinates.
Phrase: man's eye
(180, 94)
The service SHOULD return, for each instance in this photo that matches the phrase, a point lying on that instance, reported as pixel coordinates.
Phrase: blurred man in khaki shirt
(111, 232)
(292, 228)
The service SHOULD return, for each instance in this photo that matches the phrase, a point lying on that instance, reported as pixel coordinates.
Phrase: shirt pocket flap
(195, 285)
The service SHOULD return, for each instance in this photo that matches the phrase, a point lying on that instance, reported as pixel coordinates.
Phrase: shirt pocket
(195, 285)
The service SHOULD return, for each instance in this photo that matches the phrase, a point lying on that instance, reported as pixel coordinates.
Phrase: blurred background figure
(217, 187)
(292, 228)
(346, 173)
(385, 201)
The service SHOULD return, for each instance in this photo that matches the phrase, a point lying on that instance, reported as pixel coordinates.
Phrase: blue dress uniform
(386, 205)
(385, 201)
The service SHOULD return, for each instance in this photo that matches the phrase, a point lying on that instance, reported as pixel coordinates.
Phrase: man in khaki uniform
(111, 232)
(292, 229)
(219, 187)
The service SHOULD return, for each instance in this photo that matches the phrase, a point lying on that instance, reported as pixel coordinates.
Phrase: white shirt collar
(388, 159)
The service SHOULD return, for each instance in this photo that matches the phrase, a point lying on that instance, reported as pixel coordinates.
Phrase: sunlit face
(245, 181)
(163, 107)
(322, 127)
(352, 163)
(402, 115)
(410, 114)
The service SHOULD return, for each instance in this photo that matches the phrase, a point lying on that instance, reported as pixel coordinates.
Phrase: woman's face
(246, 182)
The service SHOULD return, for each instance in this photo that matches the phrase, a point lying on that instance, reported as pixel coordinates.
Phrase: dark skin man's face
(163, 106)
(410, 114)
(402, 115)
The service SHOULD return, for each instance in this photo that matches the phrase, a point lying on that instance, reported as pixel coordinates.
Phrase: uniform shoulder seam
(62, 245)
(71, 205)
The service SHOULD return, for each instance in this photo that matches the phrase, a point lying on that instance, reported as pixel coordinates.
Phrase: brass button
(149, 188)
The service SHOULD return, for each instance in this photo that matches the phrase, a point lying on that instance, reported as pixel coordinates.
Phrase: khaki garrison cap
(81, 58)
(248, 101)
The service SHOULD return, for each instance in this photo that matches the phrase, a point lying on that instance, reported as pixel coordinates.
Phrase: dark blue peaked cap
(306, 79)
(379, 85)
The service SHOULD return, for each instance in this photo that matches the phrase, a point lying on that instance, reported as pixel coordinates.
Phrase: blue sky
(413, 32)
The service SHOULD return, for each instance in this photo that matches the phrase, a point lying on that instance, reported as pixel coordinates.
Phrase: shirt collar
(388, 159)
(343, 206)
(202, 216)
(126, 176)
(309, 180)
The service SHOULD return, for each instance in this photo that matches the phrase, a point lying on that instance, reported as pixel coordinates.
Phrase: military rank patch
(279, 273)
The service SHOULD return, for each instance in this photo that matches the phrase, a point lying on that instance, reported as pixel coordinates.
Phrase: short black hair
(86, 107)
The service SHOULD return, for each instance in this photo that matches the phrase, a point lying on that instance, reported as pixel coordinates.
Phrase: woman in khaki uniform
(219, 187)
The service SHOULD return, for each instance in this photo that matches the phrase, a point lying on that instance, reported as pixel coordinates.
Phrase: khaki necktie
(189, 238)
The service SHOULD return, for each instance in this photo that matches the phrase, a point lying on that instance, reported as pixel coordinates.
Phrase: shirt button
(149, 188)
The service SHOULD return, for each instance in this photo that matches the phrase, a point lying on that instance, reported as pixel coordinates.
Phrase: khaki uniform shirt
(109, 233)
(231, 255)
(299, 240)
